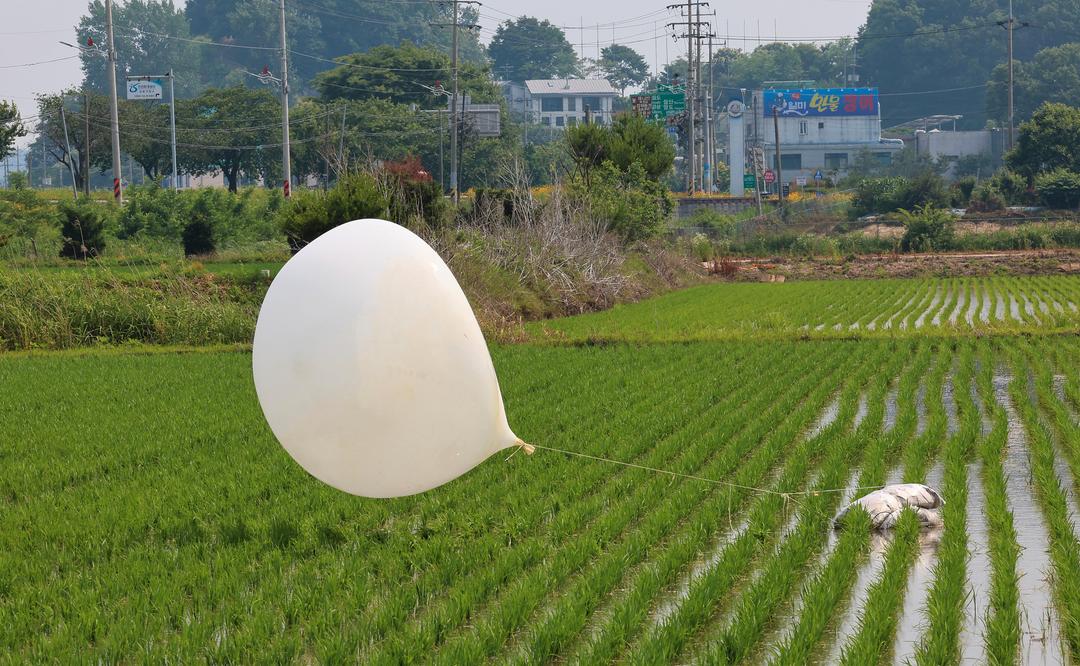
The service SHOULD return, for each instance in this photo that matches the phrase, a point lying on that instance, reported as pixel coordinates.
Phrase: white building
(822, 130)
(562, 102)
(950, 147)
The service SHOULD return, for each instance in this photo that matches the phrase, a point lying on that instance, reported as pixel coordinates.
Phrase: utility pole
(453, 108)
(286, 164)
(67, 147)
(86, 144)
(779, 172)
(1010, 30)
(172, 126)
(691, 141)
(693, 32)
(454, 123)
(118, 197)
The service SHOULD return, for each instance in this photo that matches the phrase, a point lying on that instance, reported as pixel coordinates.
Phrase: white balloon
(371, 368)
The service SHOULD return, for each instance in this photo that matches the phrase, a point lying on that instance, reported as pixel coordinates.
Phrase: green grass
(148, 514)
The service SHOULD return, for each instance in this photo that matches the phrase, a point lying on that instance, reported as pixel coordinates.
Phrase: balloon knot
(529, 449)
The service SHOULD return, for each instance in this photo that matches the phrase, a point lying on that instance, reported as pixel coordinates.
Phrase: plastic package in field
(886, 505)
(370, 366)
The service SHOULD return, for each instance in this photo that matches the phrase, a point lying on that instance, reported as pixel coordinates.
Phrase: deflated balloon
(371, 368)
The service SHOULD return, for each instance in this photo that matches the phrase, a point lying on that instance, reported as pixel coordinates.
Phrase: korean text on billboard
(822, 102)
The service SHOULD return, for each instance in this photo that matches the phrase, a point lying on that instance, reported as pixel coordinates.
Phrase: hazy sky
(30, 31)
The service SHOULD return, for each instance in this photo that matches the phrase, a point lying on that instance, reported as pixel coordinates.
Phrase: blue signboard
(822, 102)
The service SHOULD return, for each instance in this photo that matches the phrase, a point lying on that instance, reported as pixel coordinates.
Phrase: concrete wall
(724, 205)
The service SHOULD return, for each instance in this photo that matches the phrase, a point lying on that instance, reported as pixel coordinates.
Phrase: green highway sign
(665, 104)
(659, 104)
(749, 181)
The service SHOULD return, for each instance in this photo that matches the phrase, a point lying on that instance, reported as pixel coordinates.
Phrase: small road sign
(770, 177)
(749, 181)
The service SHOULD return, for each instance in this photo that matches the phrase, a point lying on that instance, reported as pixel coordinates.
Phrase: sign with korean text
(144, 89)
(642, 105)
(770, 177)
(821, 102)
(749, 181)
(667, 103)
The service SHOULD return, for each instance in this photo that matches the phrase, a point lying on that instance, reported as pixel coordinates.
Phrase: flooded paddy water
(1041, 638)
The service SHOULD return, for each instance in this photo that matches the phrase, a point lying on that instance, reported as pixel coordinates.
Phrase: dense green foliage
(82, 230)
(11, 127)
(529, 48)
(1050, 140)
(1059, 188)
(894, 193)
(628, 202)
(927, 229)
(311, 213)
(623, 67)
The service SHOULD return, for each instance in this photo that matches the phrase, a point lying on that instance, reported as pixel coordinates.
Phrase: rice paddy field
(148, 515)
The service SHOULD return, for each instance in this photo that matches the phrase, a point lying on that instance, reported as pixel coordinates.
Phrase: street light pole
(285, 108)
(115, 120)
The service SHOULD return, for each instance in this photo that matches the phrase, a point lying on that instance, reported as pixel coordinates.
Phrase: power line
(40, 62)
(932, 92)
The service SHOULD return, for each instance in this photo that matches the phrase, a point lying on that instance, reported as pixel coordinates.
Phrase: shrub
(309, 214)
(702, 247)
(1012, 186)
(154, 211)
(82, 229)
(1059, 188)
(724, 225)
(986, 198)
(629, 204)
(964, 189)
(199, 234)
(927, 229)
(876, 195)
(17, 180)
(926, 189)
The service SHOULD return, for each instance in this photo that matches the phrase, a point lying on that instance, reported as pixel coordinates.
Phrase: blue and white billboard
(821, 102)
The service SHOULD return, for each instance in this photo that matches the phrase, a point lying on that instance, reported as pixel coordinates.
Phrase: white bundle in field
(885, 506)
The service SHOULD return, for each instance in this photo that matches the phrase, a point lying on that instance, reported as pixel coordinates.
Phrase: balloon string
(694, 477)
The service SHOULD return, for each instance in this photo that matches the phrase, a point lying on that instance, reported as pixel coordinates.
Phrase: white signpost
(150, 87)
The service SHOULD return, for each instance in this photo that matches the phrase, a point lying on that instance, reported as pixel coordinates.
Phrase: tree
(630, 140)
(635, 141)
(1052, 76)
(232, 130)
(588, 146)
(50, 130)
(623, 67)
(1050, 140)
(150, 38)
(329, 28)
(405, 74)
(528, 48)
(11, 127)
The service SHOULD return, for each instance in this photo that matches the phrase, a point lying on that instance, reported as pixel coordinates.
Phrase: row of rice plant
(547, 633)
(1064, 543)
(886, 308)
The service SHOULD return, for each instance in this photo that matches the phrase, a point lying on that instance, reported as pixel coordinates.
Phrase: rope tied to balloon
(372, 371)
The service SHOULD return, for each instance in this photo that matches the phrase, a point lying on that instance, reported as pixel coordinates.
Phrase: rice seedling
(147, 514)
